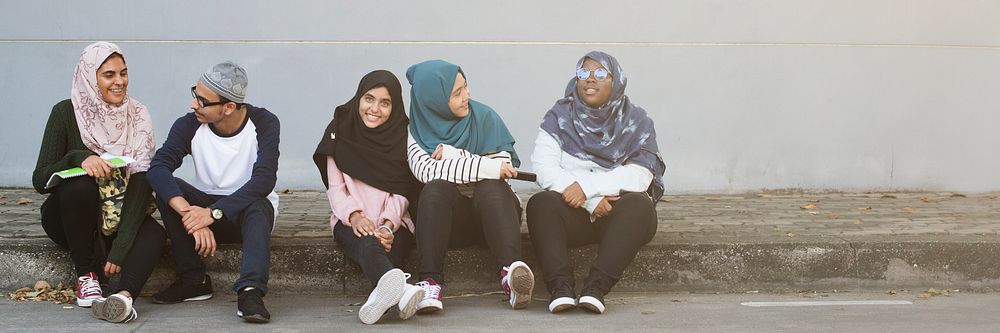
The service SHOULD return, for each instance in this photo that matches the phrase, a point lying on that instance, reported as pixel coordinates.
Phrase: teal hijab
(481, 132)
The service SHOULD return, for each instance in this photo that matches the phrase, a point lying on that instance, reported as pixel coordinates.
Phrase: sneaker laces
(88, 285)
(430, 290)
(505, 280)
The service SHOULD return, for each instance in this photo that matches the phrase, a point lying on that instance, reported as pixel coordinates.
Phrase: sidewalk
(755, 241)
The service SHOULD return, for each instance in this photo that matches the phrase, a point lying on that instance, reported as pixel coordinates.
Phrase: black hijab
(376, 156)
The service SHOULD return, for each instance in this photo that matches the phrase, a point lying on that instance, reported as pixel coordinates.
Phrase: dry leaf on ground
(958, 195)
(865, 208)
(24, 201)
(857, 221)
(888, 196)
(648, 312)
(45, 292)
(808, 206)
(908, 209)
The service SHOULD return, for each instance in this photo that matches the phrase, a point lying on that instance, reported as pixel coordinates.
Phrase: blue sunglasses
(600, 74)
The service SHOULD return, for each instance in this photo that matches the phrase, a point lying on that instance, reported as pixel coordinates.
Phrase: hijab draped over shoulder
(481, 132)
(611, 135)
(124, 130)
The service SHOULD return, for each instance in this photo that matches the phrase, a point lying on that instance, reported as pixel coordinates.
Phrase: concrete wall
(845, 94)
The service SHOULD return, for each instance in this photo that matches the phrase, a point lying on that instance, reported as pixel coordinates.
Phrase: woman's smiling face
(112, 80)
(375, 107)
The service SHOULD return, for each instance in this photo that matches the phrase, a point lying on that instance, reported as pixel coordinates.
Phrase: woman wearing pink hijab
(103, 217)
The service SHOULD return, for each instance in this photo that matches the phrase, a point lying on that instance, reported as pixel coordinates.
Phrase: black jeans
(446, 219)
(252, 228)
(554, 226)
(77, 200)
(367, 251)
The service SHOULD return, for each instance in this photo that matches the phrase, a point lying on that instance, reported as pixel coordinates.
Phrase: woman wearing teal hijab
(463, 152)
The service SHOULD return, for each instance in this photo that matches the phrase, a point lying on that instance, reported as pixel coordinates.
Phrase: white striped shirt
(456, 165)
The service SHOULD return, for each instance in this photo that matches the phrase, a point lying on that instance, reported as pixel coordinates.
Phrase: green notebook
(116, 161)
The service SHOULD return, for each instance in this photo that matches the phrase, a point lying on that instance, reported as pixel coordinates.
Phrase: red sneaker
(88, 289)
(432, 296)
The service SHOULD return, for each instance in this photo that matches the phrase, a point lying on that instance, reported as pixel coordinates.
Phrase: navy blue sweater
(265, 169)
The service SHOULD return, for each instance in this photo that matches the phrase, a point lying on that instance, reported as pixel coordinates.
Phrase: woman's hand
(507, 171)
(573, 195)
(385, 235)
(438, 152)
(111, 269)
(96, 167)
(604, 207)
(362, 225)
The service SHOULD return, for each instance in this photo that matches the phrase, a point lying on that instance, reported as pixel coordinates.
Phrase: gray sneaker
(116, 308)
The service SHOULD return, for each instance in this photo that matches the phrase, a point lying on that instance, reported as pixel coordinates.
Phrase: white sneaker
(562, 304)
(591, 303)
(432, 296)
(116, 308)
(385, 295)
(518, 282)
(412, 295)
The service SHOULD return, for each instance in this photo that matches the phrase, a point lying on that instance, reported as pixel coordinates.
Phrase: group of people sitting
(433, 179)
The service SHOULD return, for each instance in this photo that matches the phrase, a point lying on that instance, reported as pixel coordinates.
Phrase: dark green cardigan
(62, 148)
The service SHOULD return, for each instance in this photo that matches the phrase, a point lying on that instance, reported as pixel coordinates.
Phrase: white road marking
(824, 303)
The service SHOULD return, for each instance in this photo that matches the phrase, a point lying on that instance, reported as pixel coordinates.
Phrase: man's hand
(180, 205)
(362, 225)
(204, 242)
(197, 218)
(111, 269)
(604, 207)
(573, 195)
(385, 235)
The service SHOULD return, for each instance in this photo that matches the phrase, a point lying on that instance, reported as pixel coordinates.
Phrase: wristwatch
(216, 213)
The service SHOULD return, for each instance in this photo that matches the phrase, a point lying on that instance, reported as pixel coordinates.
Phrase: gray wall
(846, 95)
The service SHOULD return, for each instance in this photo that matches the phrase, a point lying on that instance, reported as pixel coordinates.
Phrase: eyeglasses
(202, 103)
(600, 74)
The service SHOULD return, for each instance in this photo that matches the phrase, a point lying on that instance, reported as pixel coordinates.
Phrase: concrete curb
(967, 263)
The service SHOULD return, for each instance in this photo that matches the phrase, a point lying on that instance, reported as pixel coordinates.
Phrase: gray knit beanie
(227, 79)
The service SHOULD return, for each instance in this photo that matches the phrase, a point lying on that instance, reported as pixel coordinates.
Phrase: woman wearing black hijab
(362, 160)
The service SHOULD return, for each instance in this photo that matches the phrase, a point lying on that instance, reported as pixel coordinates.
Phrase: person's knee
(492, 186)
(437, 189)
(259, 212)
(635, 201)
(77, 187)
(541, 203)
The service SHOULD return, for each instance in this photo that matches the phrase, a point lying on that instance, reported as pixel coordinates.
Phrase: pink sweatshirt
(348, 195)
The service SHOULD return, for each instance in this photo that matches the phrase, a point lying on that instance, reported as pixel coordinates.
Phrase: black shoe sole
(256, 319)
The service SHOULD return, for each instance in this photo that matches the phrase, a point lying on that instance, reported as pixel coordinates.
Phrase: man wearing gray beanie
(234, 147)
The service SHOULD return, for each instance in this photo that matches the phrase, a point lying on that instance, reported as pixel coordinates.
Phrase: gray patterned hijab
(614, 134)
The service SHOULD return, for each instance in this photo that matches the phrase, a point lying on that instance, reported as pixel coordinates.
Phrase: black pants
(554, 226)
(367, 251)
(252, 228)
(446, 219)
(71, 217)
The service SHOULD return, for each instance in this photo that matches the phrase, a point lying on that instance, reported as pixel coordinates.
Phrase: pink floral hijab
(126, 129)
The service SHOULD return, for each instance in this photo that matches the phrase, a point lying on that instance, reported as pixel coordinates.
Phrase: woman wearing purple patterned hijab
(597, 160)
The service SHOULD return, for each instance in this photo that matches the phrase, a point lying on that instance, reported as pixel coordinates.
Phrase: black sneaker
(592, 299)
(182, 292)
(562, 298)
(250, 306)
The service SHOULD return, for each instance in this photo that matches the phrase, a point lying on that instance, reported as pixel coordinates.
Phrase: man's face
(206, 107)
